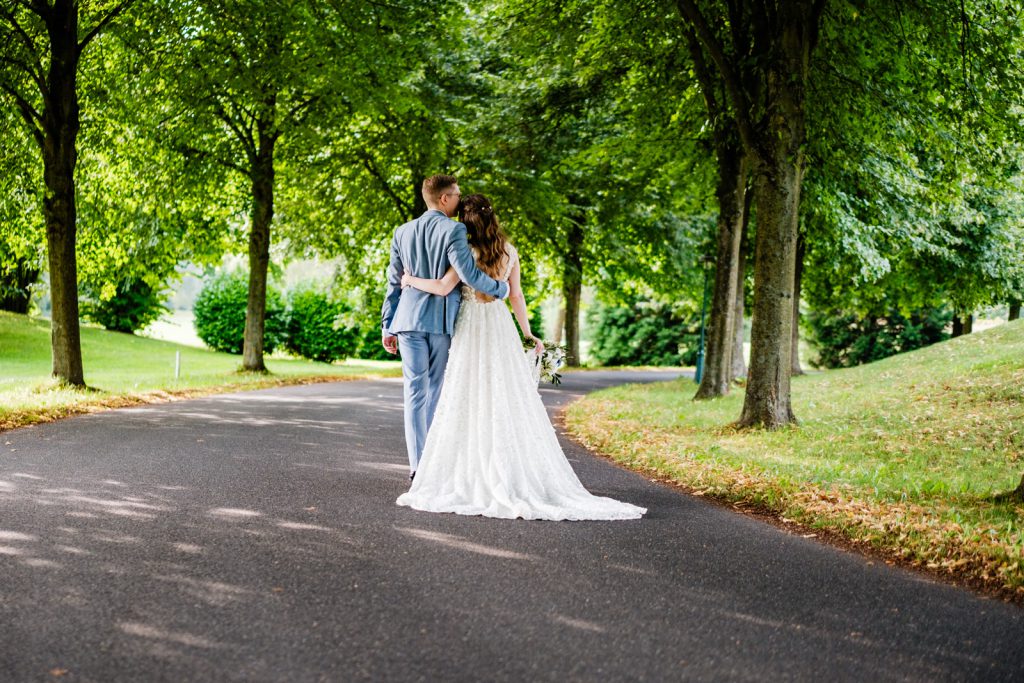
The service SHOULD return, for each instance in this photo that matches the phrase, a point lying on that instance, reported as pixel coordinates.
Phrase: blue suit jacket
(426, 247)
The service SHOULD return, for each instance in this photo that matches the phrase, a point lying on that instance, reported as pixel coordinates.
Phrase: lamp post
(706, 264)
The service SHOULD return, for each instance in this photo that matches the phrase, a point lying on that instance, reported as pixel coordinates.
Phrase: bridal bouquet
(547, 364)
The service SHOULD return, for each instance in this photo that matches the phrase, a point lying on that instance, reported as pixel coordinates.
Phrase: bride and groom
(478, 436)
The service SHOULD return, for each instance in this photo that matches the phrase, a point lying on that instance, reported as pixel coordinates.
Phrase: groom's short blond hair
(435, 185)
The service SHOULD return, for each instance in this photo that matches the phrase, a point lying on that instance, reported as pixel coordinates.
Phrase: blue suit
(424, 323)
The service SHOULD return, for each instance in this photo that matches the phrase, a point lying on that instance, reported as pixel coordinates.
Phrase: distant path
(253, 537)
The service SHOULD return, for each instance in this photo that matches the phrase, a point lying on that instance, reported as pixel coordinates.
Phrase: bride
(491, 449)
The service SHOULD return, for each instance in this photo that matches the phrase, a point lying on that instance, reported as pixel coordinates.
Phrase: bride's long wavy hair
(485, 233)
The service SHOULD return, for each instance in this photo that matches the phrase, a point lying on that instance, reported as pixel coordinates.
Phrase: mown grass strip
(905, 454)
(123, 370)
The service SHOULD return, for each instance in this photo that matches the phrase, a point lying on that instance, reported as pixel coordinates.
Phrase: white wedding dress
(491, 449)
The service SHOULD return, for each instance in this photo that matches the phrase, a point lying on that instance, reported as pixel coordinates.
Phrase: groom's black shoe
(412, 476)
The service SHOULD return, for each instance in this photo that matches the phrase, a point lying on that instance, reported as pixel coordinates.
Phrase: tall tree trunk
(777, 186)
(419, 205)
(798, 277)
(962, 323)
(1014, 310)
(765, 74)
(559, 325)
(259, 252)
(779, 153)
(767, 400)
(572, 290)
(739, 363)
(731, 190)
(60, 135)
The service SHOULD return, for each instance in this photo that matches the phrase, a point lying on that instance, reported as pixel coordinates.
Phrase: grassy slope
(122, 369)
(904, 453)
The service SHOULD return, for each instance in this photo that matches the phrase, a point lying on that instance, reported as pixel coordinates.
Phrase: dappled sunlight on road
(181, 638)
(581, 624)
(382, 466)
(234, 512)
(226, 538)
(632, 570)
(458, 543)
(83, 521)
(143, 554)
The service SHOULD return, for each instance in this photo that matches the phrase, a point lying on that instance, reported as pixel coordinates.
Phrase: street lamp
(706, 264)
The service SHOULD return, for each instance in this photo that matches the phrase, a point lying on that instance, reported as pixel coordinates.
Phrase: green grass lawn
(905, 453)
(121, 369)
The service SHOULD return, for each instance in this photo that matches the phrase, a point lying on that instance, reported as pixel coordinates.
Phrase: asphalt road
(254, 537)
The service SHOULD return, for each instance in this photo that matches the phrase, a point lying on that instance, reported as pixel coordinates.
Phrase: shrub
(643, 333)
(220, 314)
(132, 306)
(311, 332)
(846, 339)
(16, 279)
(370, 347)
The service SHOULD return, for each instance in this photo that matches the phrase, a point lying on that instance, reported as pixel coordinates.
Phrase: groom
(419, 323)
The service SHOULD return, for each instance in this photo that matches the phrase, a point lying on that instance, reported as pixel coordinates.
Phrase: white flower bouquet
(546, 364)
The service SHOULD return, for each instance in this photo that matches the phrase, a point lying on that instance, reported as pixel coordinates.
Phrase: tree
(258, 86)
(40, 58)
(913, 189)
(764, 62)
(730, 191)
(584, 155)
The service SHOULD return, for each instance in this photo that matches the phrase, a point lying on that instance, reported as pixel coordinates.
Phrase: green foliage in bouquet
(550, 362)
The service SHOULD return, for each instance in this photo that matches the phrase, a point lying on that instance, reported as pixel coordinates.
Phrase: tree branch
(704, 77)
(733, 86)
(30, 46)
(190, 150)
(37, 77)
(304, 104)
(367, 160)
(28, 112)
(814, 23)
(244, 136)
(103, 23)
(39, 7)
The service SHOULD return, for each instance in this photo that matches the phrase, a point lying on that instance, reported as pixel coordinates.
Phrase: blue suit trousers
(424, 357)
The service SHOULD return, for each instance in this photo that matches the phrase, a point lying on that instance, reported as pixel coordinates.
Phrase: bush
(220, 314)
(370, 347)
(311, 332)
(643, 333)
(846, 339)
(132, 307)
(16, 279)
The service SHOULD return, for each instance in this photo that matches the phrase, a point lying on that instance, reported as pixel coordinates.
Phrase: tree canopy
(859, 156)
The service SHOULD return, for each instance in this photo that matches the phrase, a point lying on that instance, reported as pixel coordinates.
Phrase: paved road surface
(253, 537)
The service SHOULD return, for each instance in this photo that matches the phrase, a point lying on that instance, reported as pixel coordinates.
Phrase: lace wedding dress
(491, 449)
